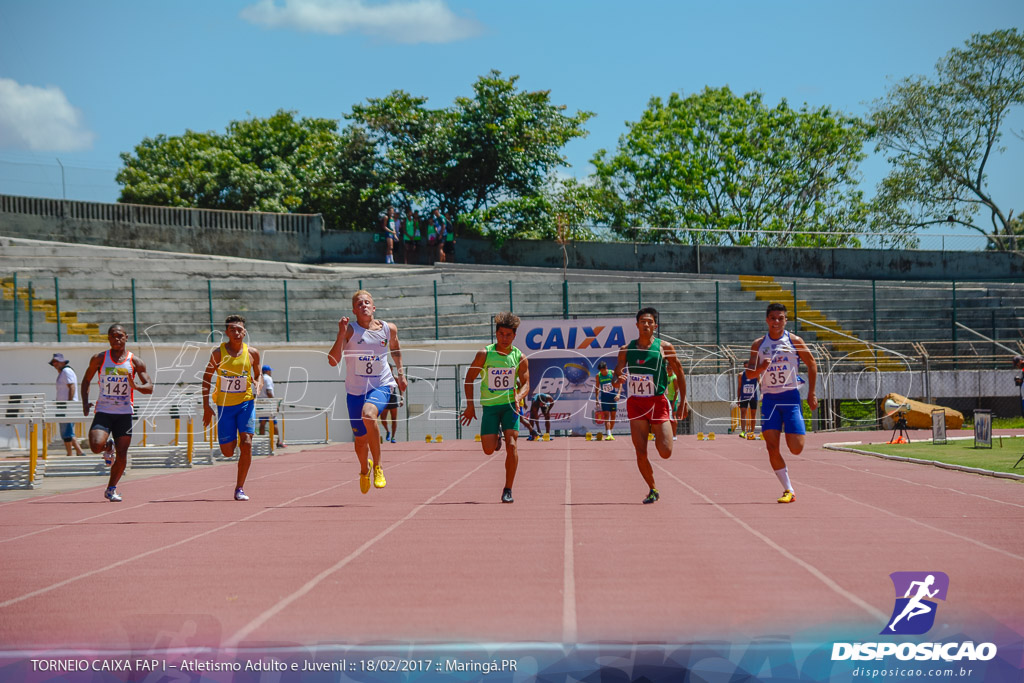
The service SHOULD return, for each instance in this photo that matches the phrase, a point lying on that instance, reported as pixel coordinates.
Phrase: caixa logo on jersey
(914, 614)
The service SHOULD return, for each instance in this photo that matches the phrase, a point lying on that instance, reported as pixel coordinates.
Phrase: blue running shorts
(379, 397)
(234, 419)
(783, 412)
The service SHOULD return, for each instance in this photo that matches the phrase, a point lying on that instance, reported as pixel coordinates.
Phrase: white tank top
(781, 374)
(116, 395)
(366, 359)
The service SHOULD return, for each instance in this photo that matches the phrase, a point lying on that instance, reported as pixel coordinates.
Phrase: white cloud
(40, 119)
(398, 21)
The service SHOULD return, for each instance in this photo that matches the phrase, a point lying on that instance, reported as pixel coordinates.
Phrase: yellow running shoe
(609, 438)
(364, 479)
(378, 477)
(787, 497)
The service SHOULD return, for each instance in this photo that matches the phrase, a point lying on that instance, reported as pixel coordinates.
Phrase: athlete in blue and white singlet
(776, 358)
(364, 345)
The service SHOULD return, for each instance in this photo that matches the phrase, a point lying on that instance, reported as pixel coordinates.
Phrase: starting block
(751, 436)
(588, 436)
(476, 438)
(547, 437)
(711, 436)
(700, 436)
(438, 439)
(650, 436)
(428, 438)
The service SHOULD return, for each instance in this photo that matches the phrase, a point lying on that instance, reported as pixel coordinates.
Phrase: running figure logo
(914, 613)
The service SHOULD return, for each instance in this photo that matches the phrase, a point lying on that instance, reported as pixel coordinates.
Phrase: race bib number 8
(641, 385)
(234, 384)
(369, 366)
(501, 379)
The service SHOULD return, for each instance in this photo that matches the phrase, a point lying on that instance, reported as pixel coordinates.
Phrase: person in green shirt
(672, 394)
(643, 367)
(506, 382)
(607, 397)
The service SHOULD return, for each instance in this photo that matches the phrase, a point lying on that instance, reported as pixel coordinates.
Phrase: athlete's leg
(244, 458)
(98, 438)
(663, 438)
(372, 436)
(489, 442)
(772, 438)
(795, 442)
(511, 456)
(638, 431)
(121, 445)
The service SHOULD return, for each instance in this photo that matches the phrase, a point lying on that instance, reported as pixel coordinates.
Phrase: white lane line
(980, 544)
(811, 569)
(120, 563)
(308, 587)
(117, 509)
(569, 632)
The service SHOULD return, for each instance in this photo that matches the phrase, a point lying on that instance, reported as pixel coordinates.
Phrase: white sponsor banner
(563, 356)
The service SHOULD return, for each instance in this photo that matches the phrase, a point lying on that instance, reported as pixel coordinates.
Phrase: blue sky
(83, 81)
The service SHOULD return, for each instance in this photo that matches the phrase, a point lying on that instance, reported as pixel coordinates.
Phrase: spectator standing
(67, 390)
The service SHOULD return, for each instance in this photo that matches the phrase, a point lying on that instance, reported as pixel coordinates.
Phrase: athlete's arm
(344, 334)
(257, 371)
(211, 368)
(620, 367)
(469, 414)
(140, 371)
(812, 369)
(759, 368)
(396, 355)
(94, 366)
(673, 363)
(523, 373)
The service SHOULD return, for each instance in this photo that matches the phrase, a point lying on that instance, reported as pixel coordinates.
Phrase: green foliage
(278, 164)
(715, 161)
(489, 155)
(940, 134)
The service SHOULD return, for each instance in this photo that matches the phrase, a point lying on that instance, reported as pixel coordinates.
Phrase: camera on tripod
(898, 412)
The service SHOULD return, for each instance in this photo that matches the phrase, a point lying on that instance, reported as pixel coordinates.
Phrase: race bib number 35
(641, 385)
(501, 379)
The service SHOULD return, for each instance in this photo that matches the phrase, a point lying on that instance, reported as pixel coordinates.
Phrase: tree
(278, 164)
(941, 134)
(717, 162)
(502, 144)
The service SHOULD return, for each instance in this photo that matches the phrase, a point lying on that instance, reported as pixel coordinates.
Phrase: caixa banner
(564, 357)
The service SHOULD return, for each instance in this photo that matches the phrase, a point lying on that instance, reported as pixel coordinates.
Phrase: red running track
(435, 557)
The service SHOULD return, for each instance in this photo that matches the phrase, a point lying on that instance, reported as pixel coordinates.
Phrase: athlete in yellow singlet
(237, 369)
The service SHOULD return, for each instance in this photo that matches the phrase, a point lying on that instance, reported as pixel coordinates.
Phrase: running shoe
(112, 495)
(506, 496)
(387, 436)
(743, 435)
(787, 497)
(378, 477)
(393, 439)
(108, 453)
(364, 479)
(530, 437)
(651, 497)
(240, 494)
(609, 438)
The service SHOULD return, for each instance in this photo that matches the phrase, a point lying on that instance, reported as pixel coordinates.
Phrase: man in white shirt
(267, 391)
(67, 390)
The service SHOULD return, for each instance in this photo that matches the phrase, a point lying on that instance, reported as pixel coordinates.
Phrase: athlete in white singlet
(364, 345)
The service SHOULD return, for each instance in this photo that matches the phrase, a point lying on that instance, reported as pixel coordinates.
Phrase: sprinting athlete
(111, 429)
(776, 358)
(674, 405)
(364, 345)
(237, 368)
(607, 400)
(643, 367)
(506, 382)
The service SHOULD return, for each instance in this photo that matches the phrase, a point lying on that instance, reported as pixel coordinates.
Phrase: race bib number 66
(501, 379)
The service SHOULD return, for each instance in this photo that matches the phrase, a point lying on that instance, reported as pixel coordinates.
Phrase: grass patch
(998, 458)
